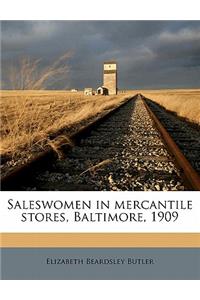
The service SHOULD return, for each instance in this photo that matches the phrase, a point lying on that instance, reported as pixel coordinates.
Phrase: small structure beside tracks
(102, 90)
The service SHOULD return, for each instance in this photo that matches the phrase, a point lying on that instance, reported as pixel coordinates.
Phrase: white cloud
(183, 35)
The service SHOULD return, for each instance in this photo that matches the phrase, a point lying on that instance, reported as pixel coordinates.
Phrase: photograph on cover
(100, 105)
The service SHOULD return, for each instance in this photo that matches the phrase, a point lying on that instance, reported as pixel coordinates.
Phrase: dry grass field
(29, 117)
(185, 103)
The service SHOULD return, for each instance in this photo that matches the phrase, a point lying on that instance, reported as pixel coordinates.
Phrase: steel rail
(188, 173)
(24, 173)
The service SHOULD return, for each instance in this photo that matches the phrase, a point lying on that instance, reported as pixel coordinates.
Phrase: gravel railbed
(185, 136)
(125, 152)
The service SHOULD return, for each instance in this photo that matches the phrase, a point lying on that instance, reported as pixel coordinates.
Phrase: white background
(188, 220)
(100, 290)
(85, 9)
(100, 10)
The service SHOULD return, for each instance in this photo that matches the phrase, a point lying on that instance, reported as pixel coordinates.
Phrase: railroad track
(183, 133)
(122, 151)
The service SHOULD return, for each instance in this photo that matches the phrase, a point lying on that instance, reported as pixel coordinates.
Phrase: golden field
(184, 102)
(29, 117)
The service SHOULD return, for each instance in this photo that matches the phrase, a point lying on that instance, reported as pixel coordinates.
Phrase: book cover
(100, 150)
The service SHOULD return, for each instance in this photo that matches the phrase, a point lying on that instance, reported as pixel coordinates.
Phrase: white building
(102, 90)
(88, 92)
